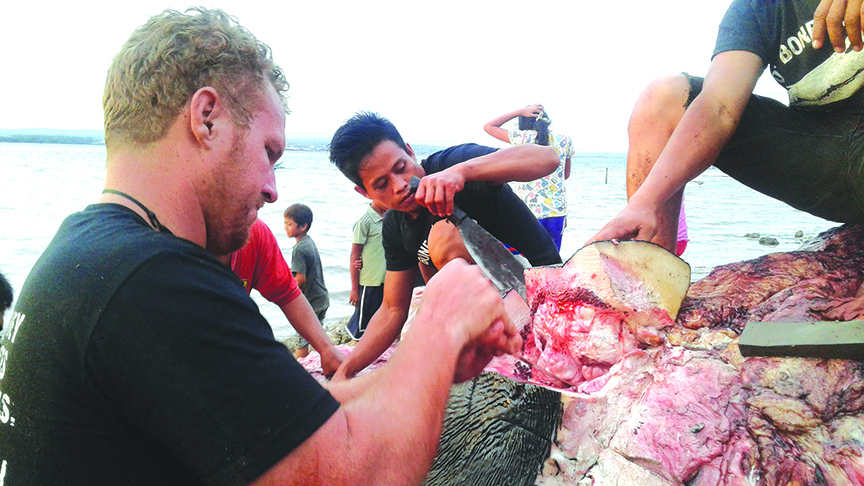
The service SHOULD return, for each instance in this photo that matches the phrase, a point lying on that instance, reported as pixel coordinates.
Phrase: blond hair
(172, 56)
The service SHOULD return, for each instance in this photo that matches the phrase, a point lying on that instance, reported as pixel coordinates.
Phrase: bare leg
(655, 116)
(445, 244)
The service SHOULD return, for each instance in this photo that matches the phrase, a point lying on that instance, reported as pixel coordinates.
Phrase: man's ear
(205, 109)
(362, 192)
(410, 152)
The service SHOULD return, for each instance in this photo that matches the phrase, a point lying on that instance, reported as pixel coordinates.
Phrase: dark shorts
(370, 301)
(301, 342)
(812, 160)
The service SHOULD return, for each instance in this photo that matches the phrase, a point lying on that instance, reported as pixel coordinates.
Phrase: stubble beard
(226, 225)
(221, 243)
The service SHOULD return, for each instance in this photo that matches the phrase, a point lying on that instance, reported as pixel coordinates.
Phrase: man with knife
(370, 152)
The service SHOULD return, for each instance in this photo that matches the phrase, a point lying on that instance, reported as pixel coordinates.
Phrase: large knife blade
(496, 261)
(502, 268)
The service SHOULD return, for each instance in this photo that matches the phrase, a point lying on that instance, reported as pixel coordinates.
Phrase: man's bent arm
(302, 317)
(388, 427)
(493, 127)
(385, 326)
(701, 134)
(523, 163)
(706, 126)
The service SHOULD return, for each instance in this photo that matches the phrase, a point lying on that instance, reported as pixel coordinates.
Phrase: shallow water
(42, 183)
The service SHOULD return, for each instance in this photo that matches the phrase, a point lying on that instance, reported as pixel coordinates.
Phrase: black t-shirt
(494, 207)
(781, 33)
(135, 357)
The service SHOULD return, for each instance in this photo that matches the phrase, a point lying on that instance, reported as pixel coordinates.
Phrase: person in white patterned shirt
(546, 197)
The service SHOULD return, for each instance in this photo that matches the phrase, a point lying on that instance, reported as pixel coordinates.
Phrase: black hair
(540, 124)
(357, 138)
(5, 294)
(301, 214)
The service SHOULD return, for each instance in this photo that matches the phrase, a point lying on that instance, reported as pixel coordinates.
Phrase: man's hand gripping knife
(470, 309)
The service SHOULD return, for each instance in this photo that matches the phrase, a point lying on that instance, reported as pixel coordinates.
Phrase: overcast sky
(439, 70)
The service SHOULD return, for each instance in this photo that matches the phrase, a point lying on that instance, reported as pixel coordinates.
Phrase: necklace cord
(154, 221)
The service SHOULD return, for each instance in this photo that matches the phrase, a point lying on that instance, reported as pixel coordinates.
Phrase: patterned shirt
(546, 197)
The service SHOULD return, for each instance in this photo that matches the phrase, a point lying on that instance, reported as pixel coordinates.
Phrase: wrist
(441, 331)
(647, 197)
(464, 171)
(347, 368)
(331, 354)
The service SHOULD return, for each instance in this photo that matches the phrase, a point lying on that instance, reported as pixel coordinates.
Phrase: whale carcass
(649, 397)
(680, 405)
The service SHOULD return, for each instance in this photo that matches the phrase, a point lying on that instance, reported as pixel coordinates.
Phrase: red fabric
(682, 245)
(261, 266)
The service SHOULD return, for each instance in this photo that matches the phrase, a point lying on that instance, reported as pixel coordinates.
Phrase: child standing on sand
(306, 264)
(368, 269)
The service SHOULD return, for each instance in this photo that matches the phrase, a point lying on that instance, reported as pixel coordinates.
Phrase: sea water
(40, 184)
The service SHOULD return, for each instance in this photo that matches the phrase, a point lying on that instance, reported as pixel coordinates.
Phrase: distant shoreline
(294, 144)
(297, 144)
(62, 139)
(300, 145)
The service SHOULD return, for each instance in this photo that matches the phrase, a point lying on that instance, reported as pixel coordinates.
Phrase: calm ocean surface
(40, 184)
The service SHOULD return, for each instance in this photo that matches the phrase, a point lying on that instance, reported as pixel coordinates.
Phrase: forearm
(356, 251)
(302, 317)
(525, 162)
(399, 447)
(500, 120)
(702, 133)
(493, 127)
(705, 127)
(388, 427)
(695, 142)
(381, 331)
(400, 412)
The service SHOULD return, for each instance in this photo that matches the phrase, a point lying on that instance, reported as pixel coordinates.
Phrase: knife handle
(414, 183)
(456, 217)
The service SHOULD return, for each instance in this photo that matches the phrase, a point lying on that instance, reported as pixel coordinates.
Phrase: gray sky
(439, 70)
